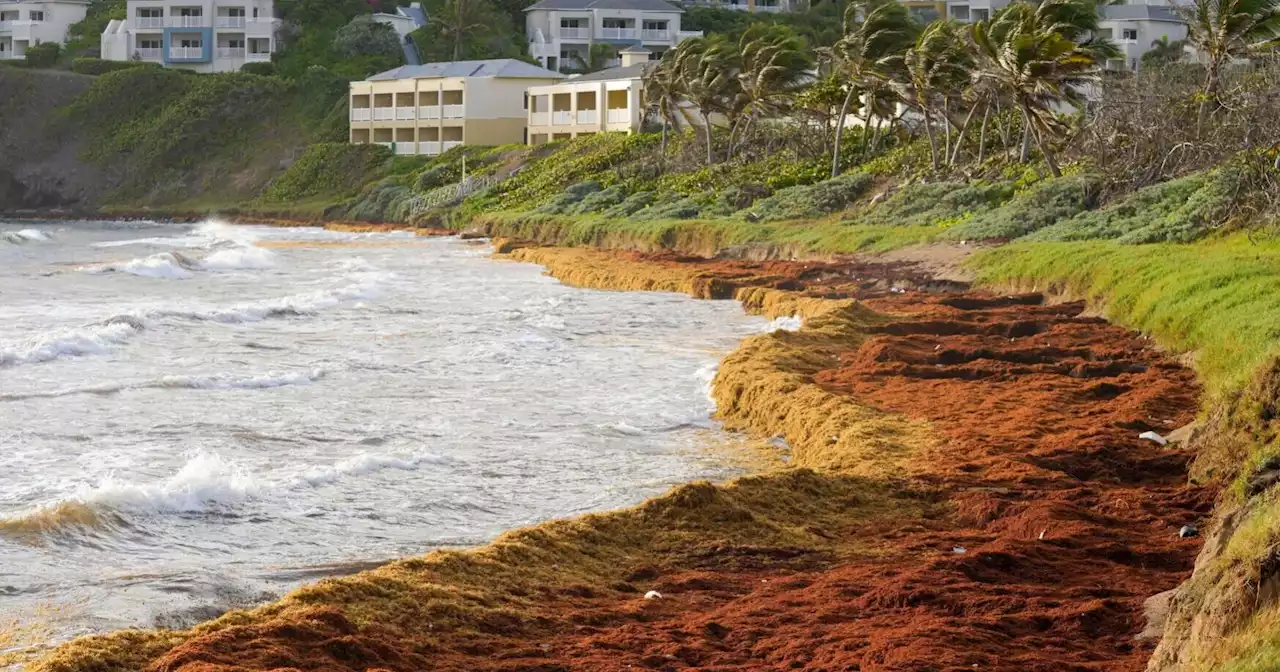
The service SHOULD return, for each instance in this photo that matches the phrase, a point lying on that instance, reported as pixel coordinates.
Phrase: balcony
(588, 117)
(361, 114)
(231, 52)
(575, 33)
(186, 53)
(687, 34)
(429, 112)
(187, 22)
(618, 33)
(230, 22)
(451, 111)
(430, 148)
(655, 35)
(406, 147)
(621, 116)
(562, 118)
(384, 113)
(406, 113)
(539, 119)
(258, 56)
(149, 22)
(446, 145)
(18, 29)
(149, 53)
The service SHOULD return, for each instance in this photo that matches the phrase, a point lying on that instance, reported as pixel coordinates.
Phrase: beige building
(432, 108)
(609, 100)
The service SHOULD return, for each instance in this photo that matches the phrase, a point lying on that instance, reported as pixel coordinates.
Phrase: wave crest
(25, 236)
(89, 340)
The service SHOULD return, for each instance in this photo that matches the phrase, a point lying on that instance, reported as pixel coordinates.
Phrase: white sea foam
(221, 381)
(364, 463)
(792, 323)
(622, 428)
(25, 236)
(167, 265)
(206, 483)
(367, 287)
(239, 258)
(76, 342)
(707, 375)
(216, 230)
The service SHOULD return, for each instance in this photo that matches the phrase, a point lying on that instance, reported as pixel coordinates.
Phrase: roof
(1140, 13)
(497, 67)
(621, 72)
(414, 12)
(643, 5)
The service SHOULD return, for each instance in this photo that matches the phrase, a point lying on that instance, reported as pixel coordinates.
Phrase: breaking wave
(239, 258)
(792, 323)
(178, 266)
(365, 463)
(263, 381)
(24, 236)
(88, 340)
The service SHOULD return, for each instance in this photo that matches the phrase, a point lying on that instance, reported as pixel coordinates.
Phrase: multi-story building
(432, 108)
(1134, 28)
(201, 35)
(24, 24)
(605, 101)
(562, 32)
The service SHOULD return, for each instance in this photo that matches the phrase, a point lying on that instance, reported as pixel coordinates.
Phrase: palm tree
(935, 68)
(1164, 51)
(774, 67)
(1040, 56)
(596, 58)
(876, 34)
(1222, 30)
(663, 91)
(708, 73)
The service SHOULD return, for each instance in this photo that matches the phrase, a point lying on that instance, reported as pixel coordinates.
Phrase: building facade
(431, 108)
(562, 32)
(1135, 28)
(24, 24)
(200, 35)
(601, 102)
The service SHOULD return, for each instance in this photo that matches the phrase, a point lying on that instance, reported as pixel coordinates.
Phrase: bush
(815, 200)
(382, 202)
(363, 36)
(929, 204)
(671, 208)
(264, 68)
(600, 200)
(43, 55)
(1041, 205)
(631, 205)
(329, 169)
(97, 66)
(565, 202)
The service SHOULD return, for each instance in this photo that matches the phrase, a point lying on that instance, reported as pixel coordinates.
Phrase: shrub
(97, 66)
(928, 204)
(815, 200)
(600, 200)
(328, 169)
(264, 68)
(564, 202)
(674, 208)
(1041, 205)
(382, 202)
(363, 36)
(43, 55)
(631, 205)
(738, 197)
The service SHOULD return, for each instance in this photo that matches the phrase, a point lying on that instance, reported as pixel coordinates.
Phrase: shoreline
(865, 490)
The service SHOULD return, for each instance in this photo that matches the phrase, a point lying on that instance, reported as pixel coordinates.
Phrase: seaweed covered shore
(966, 487)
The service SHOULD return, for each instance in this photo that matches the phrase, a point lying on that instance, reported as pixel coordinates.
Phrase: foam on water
(88, 340)
(222, 381)
(367, 286)
(166, 265)
(364, 463)
(793, 323)
(239, 258)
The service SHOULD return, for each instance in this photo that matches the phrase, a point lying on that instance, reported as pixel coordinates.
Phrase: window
(570, 23)
(655, 55)
(150, 43)
(235, 44)
(980, 14)
(37, 16)
(237, 12)
(1106, 33)
(615, 23)
(255, 12)
(191, 43)
(1130, 34)
(960, 12)
(655, 25)
(150, 13)
(190, 11)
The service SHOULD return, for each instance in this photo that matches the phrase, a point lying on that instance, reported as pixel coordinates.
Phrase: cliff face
(41, 167)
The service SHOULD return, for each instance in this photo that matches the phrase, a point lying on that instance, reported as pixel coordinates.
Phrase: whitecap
(166, 265)
(239, 258)
(223, 381)
(25, 236)
(89, 340)
(792, 323)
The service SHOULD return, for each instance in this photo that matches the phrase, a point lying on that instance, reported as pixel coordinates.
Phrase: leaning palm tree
(596, 58)
(774, 67)
(935, 68)
(708, 74)
(1039, 57)
(876, 34)
(1222, 30)
(663, 91)
(1164, 51)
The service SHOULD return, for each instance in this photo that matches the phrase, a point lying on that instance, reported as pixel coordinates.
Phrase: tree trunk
(706, 127)
(946, 126)
(835, 151)
(982, 136)
(1209, 97)
(1026, 138)
(1003, 128)
(1040, 142)
(964, 128)
(663, 146)
(933, 141)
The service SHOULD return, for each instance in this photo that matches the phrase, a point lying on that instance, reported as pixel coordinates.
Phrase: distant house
(769, 6)
(1134, 28)
(24, 24)
(561, 32)
(404, 20)
(605, 101)
(193, 36)
(429, 109)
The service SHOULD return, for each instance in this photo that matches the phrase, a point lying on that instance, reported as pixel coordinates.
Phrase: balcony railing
(15, 27)
(561, 118)
(687, 34)
(230, 22)
(429, 112)
(452, 111)
(574, 33)
(185, 53)
(406, 113)
(655, 35)
(618, 33)
(149, 53)
(429, 148)
(149, 21)
(231, 52)
(408, 147)
(619, 116)
(258, 56)
(539, 118)
(588, 117)
(446, 145)
(188, 22)
(384, 113)
(361, 114)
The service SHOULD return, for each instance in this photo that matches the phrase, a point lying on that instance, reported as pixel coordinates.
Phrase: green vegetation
(328, 170)
(97, 66)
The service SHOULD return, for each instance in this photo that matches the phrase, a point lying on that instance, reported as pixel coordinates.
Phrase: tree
(1222, 30)
(1040, 56)
(43, 55)
(935, 68)
(663, 91)
(708, 73)
(597, 58)
(1163, 52)
(876, 35)
(466, 29)
(774, 66)
(365, 37)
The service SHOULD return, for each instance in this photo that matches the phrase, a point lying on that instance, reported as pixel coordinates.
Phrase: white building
(26, 24)
(1133, 28)
(200, 35)
(404, 20)
(769, 6)
(600, 102)
(561, 32)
